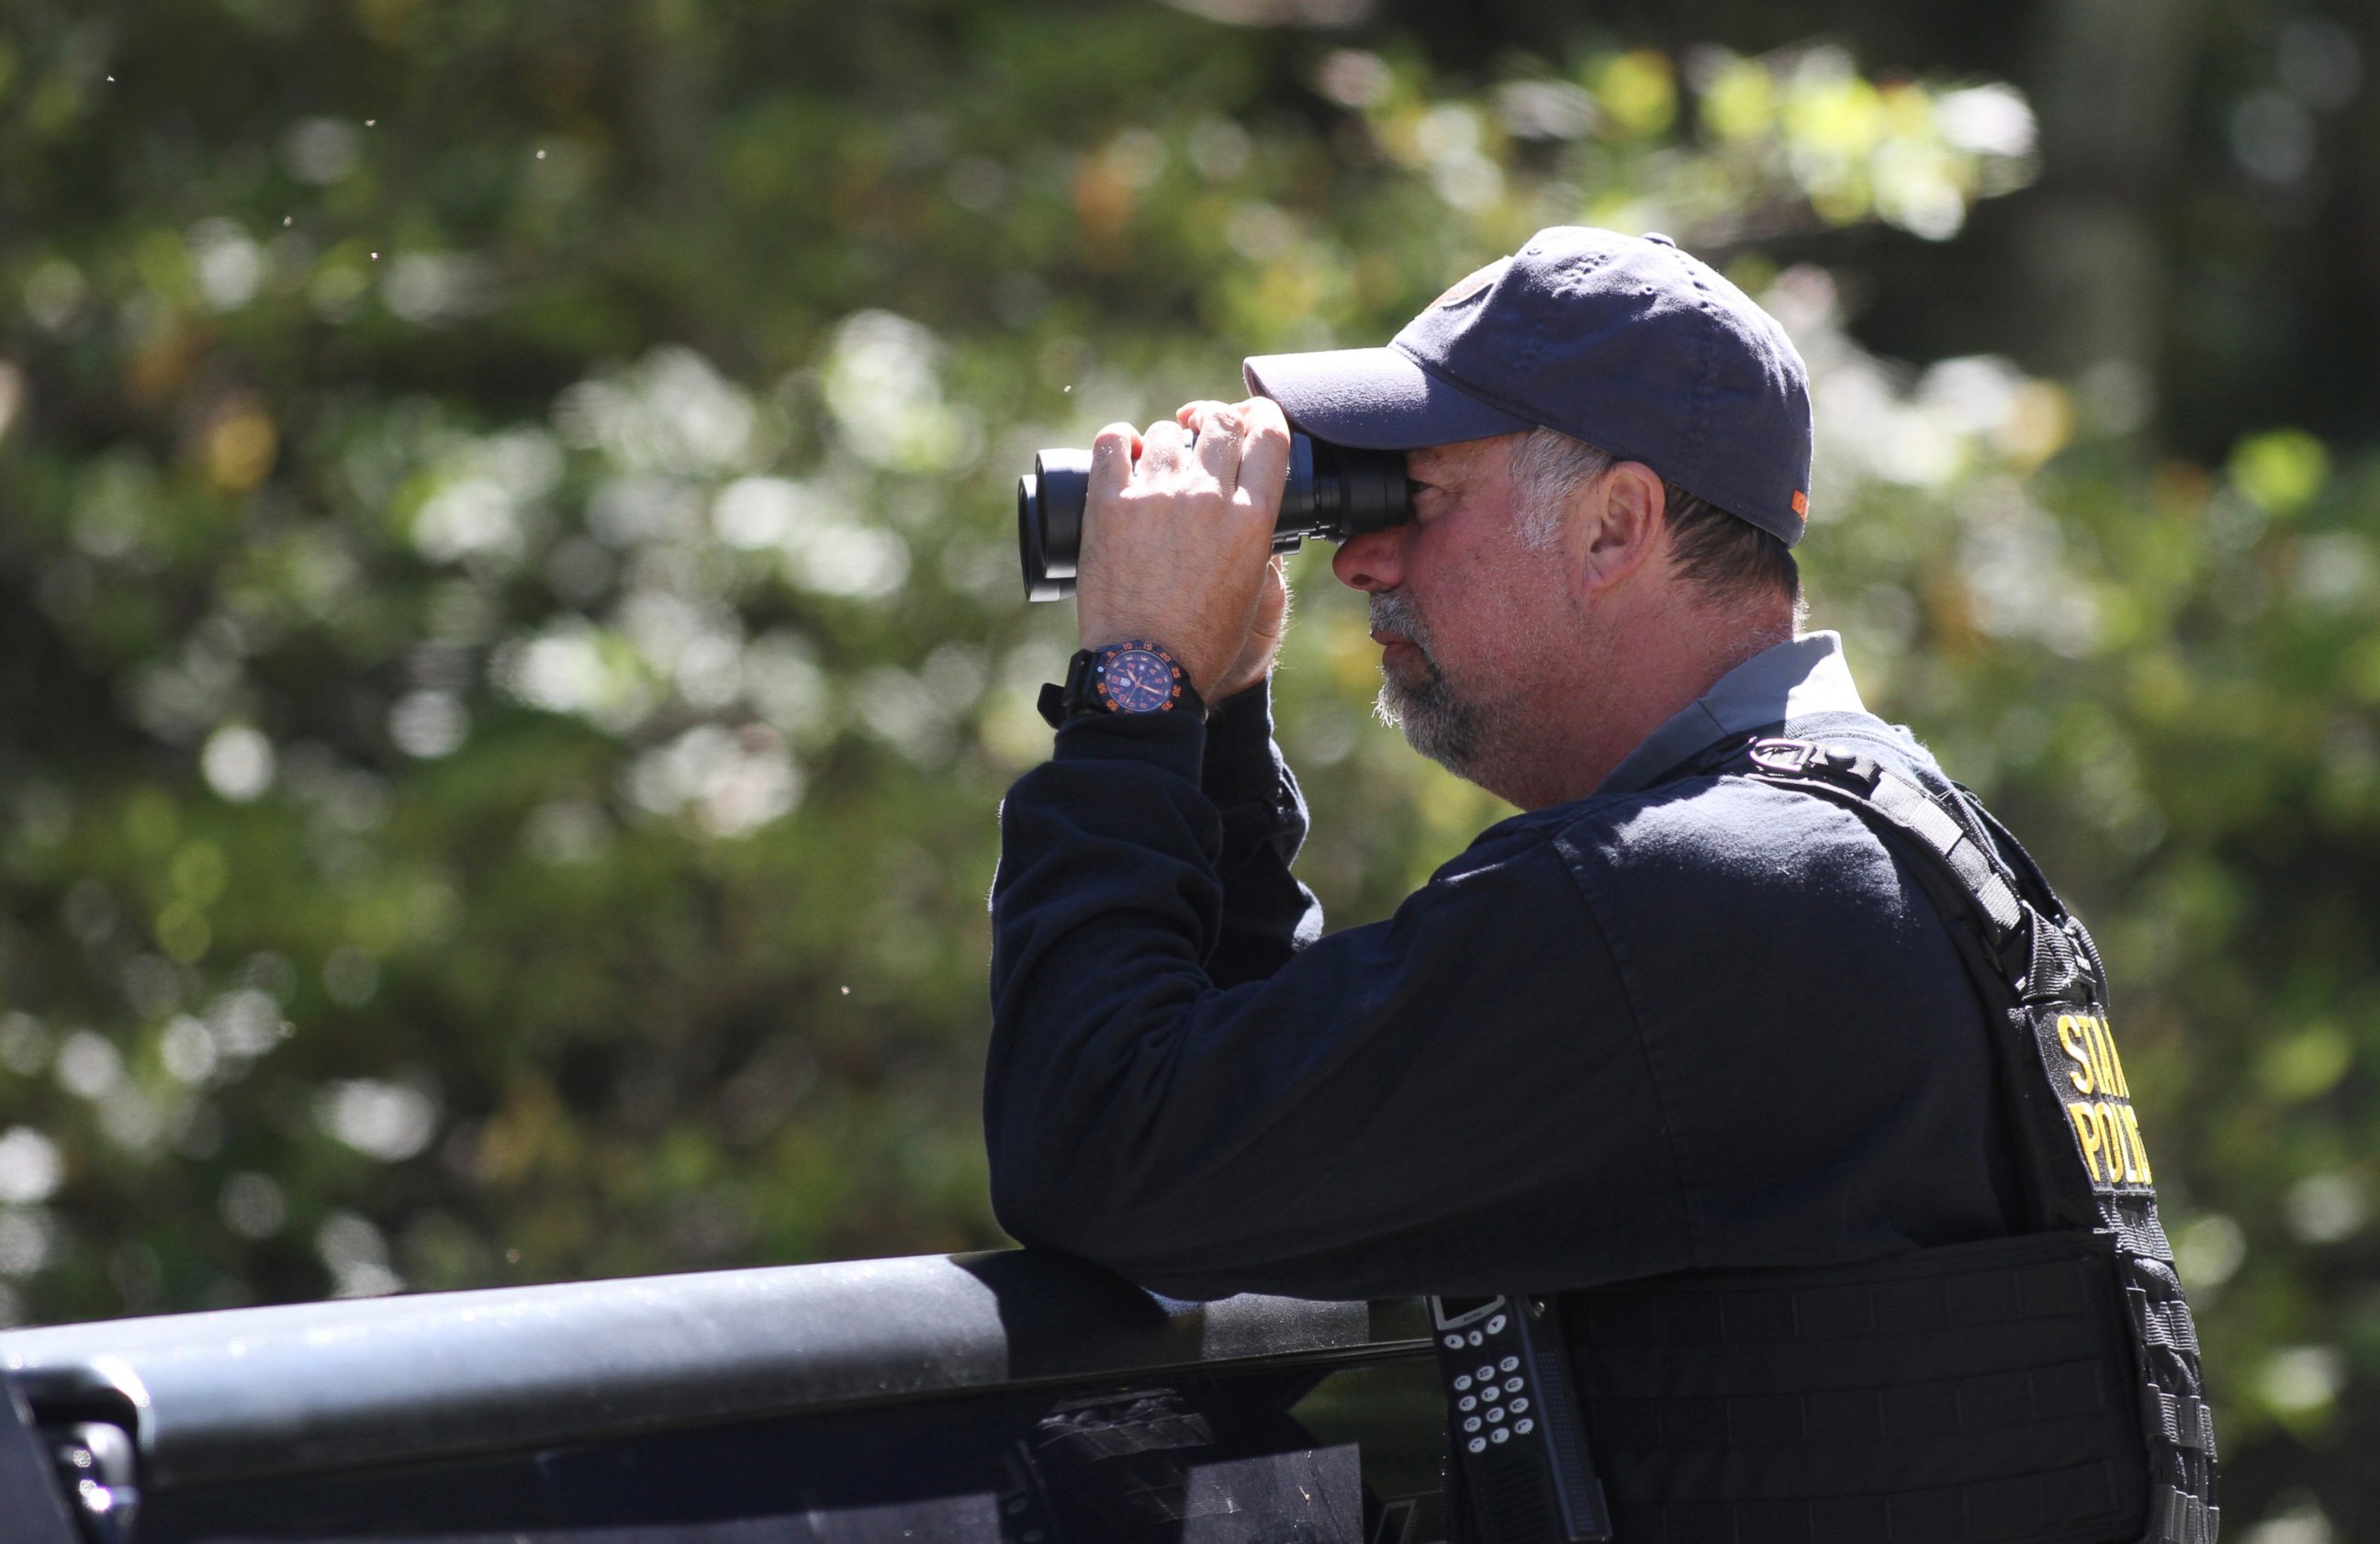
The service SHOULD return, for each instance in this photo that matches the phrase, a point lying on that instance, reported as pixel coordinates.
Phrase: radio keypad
(1492, 1400)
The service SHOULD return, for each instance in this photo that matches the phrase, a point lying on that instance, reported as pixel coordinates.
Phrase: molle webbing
(1973, 1393)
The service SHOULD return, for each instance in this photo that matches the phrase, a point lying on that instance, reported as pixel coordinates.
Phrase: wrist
(1130, 677)
(1202, 663)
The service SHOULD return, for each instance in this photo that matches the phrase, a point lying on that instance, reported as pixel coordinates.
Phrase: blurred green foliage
(513, 642)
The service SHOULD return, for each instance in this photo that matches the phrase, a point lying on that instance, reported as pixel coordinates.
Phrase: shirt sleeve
(1454, 1100)
(1268, 914)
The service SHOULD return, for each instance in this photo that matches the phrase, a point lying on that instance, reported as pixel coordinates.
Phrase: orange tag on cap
(1801, 503)
(1470, 283)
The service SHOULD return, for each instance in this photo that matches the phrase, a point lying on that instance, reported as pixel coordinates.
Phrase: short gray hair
(1548, 467)
(1727, 559)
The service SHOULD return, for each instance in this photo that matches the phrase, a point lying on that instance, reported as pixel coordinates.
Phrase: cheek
(1455, 551)
(1495, 605)
(1464, 590)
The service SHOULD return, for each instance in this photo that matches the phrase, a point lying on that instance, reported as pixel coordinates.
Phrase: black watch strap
(1150, 681)
(1060, 703)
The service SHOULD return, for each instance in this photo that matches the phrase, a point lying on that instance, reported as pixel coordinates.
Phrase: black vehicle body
(1013, 1397)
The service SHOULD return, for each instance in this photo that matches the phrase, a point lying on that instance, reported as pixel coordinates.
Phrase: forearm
(1108, 905)
(1392, 1109)
(1268, 914)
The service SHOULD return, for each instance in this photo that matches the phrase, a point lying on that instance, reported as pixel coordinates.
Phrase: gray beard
(1436, 719)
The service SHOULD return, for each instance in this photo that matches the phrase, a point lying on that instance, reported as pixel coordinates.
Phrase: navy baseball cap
(1624, 341)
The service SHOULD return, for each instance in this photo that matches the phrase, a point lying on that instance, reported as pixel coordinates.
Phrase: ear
(1620, 527)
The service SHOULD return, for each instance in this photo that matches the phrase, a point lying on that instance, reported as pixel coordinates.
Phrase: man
(1683, 1044)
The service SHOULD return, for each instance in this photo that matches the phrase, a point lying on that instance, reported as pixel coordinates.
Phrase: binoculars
(1333, 492)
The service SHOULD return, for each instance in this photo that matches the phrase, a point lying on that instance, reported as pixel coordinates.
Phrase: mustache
(1395, 612)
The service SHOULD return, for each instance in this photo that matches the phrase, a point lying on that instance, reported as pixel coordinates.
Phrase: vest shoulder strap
(1988, 894)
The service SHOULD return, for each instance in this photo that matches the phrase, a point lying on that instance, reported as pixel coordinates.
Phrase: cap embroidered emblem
(1801, 503)
(1470, 284)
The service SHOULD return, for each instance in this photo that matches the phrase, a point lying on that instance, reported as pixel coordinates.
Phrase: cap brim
(1375, 399)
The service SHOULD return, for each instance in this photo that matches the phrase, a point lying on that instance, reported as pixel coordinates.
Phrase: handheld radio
(1514, 1419)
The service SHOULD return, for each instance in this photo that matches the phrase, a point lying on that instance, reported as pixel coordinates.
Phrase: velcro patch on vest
(2086, 1076)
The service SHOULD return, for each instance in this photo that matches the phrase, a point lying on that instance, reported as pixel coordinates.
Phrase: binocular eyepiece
(1333, 492)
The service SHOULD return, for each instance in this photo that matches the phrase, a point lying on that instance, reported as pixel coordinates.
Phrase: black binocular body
(1333, 491)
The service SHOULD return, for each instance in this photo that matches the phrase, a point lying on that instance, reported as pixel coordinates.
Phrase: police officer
(1724, 1042)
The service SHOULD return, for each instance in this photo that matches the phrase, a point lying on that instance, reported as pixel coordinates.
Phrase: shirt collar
(1789, 681)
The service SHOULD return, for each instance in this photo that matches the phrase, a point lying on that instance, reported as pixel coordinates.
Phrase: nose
(1372, 563)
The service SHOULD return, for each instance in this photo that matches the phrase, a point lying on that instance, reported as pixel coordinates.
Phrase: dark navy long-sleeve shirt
(1688, 1021)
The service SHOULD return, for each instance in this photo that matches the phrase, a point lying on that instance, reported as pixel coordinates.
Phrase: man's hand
(1177, 541)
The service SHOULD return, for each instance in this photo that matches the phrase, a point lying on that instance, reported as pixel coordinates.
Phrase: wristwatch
(1136, 676)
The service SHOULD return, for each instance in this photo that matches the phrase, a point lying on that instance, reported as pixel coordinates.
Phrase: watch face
(1137, 681)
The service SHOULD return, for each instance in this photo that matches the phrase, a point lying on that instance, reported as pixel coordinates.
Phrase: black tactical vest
(2043, 1388)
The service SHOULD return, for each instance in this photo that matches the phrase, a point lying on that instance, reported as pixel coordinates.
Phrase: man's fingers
(1111, 458)
(1218, 429)
(1164, 448)
(1264, 449)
